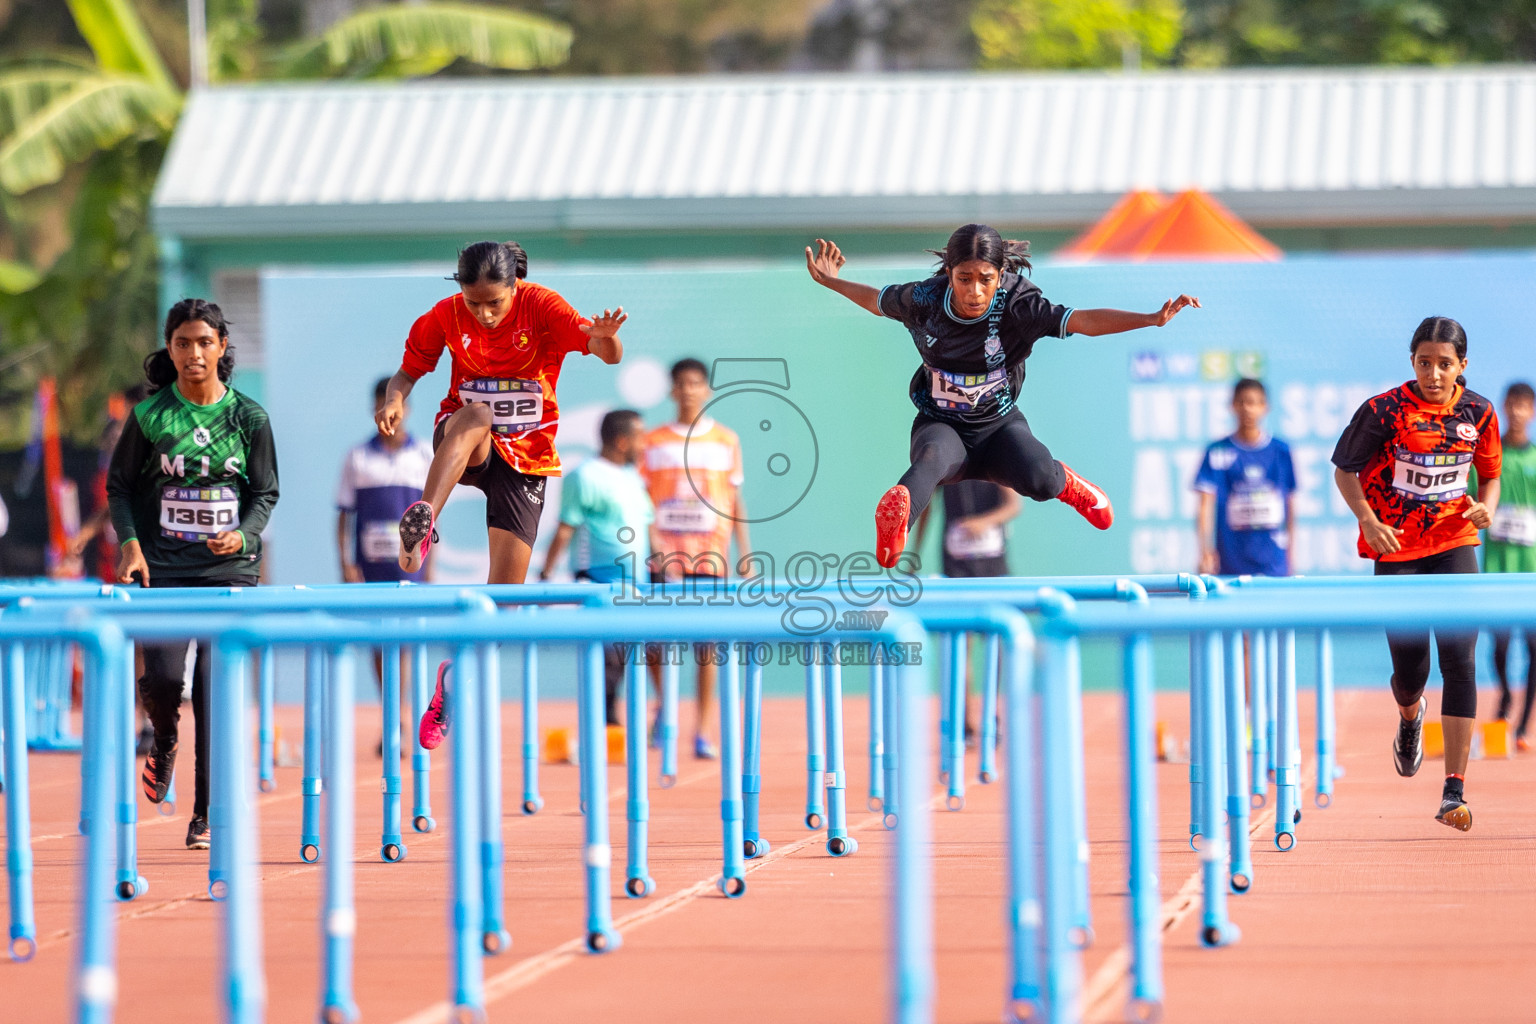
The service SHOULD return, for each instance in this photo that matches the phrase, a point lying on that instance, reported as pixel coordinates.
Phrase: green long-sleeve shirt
(182, 472)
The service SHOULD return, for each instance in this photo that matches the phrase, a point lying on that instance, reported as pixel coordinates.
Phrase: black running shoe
(1453, 807)
(197, 833)
(159, 767)
(1408, 745)
(417, 535)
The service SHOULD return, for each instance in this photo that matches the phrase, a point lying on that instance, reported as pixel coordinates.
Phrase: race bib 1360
(198, 513)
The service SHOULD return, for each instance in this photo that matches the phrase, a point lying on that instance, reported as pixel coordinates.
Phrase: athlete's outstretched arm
(825, 265)
(393, 409)
(1094, 322)
(603, 335)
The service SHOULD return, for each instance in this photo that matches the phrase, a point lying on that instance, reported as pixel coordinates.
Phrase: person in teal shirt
(1511, 541)
(606, 502)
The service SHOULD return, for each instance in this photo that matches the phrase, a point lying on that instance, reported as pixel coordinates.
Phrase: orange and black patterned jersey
(1415, 461)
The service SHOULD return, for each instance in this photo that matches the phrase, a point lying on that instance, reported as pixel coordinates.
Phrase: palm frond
(16, 278)
(96, 115)
(117, 36)
(25, 90)
(424, 38)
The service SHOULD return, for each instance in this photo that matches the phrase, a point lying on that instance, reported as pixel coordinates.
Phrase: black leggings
(160, 692)
(1410, 650)
(1003, 451)
(1501, 638)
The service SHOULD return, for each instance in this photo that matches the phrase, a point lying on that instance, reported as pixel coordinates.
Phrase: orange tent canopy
(1192, 226)
(1113, 233)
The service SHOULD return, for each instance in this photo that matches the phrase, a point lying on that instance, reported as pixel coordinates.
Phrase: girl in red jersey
(496, 428)
(1403, 465)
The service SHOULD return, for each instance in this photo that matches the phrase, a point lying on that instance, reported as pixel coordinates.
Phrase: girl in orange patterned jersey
(1404, 465)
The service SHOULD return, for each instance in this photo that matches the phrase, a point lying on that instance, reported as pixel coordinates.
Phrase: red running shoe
(434, 724)
(1091, 503)
(417, 534)
(891, 525)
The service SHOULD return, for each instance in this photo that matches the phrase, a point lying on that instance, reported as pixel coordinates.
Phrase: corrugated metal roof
(1279, 147)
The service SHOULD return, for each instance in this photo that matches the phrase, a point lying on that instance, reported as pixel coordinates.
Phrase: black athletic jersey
(972, 369)
(971, 557)
(182, 473)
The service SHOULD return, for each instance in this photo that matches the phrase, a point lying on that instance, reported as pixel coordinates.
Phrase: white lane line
(526, 972)
(1105, 993)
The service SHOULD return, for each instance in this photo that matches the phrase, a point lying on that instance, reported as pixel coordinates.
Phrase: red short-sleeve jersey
(512, 367)
(1415, 460)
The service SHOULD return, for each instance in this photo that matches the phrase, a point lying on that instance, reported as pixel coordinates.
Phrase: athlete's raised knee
(474, 416)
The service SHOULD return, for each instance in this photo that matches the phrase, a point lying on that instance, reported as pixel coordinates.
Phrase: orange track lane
(1377, 911)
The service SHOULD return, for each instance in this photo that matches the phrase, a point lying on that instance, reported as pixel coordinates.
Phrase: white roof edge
(1282, 146)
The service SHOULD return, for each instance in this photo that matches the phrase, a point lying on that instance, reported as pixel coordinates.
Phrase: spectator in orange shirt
(692, 468)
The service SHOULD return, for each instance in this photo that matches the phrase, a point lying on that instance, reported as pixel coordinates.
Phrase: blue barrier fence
(1234, 628)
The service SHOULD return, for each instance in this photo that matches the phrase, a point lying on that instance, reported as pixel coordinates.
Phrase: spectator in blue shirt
(605, 507)
(380, 478)
(1246, 522)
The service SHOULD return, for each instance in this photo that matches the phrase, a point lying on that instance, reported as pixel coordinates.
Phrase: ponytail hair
(493, 262)
(1442, 329)
(159, 370)
(981, 242)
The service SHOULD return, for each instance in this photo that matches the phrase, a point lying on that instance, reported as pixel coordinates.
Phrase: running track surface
(1379, 913)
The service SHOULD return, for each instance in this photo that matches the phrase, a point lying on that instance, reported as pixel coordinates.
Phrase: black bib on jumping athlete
(972, 369)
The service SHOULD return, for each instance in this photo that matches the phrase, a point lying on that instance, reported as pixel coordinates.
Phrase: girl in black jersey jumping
(974, 323)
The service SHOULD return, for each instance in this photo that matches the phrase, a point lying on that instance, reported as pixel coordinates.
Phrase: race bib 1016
(1431, 477)
(1514, 524)
(198, 513)
(517, 406)
(679, 515)
(965, 391)
(1262, 508)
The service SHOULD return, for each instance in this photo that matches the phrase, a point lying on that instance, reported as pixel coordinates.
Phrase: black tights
(1004, 452)
(1410, 650)
(160, 693)
(160, 689)
(1501, 638)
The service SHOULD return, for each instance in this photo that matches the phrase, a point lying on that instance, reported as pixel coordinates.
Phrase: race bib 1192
(965, 391)
(1431, 477)
(198, 513)
(517, 406)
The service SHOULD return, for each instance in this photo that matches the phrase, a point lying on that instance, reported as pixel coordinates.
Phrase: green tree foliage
(1245, 32)
(404, 41)
(647, 37)
(84, 122)
(1075, 33)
